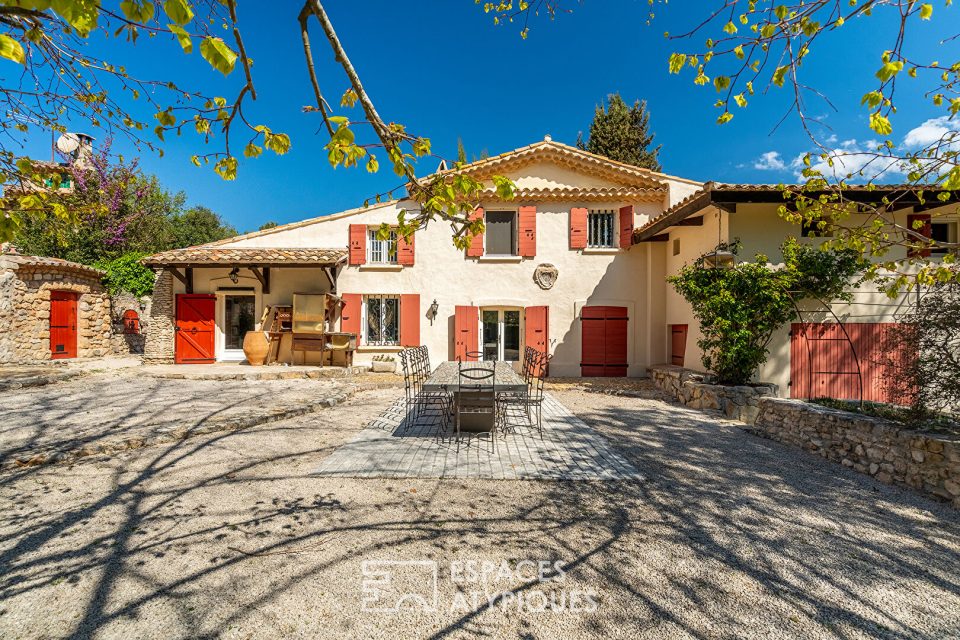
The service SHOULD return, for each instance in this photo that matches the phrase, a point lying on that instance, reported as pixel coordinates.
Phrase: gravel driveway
(228, 535)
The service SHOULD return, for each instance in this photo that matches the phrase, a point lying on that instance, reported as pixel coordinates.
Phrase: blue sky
(444, 70)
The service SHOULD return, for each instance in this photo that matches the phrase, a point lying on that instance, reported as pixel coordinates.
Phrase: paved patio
(396, 445)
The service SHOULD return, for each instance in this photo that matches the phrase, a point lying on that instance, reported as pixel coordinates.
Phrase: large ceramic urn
(255, 345)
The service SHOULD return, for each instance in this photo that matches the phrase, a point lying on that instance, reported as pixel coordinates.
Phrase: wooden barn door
(63, 324)
(604, 346)
(824, 363)
(195, 336)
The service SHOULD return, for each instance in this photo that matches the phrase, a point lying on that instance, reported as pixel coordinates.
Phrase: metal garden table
(446, 379)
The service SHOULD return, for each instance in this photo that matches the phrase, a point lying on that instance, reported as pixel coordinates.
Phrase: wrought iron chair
(530, 400)
(476, 396)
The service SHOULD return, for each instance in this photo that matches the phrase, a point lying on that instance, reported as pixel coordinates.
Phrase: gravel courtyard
(229, 535)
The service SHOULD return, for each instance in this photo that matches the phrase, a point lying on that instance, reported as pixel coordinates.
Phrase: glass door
(501, 334)
(238, 318)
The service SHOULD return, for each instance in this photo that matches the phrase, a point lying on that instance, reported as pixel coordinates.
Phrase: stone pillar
(159, 343)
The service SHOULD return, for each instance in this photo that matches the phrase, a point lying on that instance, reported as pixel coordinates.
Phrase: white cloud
(930, 132)
(770, 161)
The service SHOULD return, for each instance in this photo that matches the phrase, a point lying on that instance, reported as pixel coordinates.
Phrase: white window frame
(613, 228)
(364, 326)
(515, 242)
(378, 251)
(501, 324)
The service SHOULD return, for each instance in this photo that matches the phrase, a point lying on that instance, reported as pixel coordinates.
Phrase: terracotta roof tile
(575, 193)
(45, 261)
(227, 256)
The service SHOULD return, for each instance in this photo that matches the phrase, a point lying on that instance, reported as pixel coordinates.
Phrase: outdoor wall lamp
(433, 310)
(235, 275)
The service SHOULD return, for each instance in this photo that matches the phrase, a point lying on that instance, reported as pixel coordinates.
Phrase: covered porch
(209, 298)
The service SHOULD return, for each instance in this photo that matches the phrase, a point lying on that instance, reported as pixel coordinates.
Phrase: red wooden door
(466, 322)
(194, 341)
(824, 362)
(63, 324)
(604, 341)
(678, 343)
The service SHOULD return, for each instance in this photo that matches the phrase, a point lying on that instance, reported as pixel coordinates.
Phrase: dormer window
(381, 250)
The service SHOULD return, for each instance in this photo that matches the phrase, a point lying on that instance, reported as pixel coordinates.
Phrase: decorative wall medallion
(545, 275)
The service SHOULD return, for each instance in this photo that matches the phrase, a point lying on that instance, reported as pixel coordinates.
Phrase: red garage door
(824, 362)
(604, 348)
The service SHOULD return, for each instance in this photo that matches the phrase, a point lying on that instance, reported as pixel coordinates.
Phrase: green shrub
(739, 308)
(126, 273)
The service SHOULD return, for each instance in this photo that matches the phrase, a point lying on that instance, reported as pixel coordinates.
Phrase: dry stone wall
(696, 390)
(924, 461)
(159, 343)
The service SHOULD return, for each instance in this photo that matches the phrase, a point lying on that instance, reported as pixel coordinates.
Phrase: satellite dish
(68, 143)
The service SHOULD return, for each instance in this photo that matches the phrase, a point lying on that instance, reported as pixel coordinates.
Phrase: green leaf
(677, 61)
(926, 10)
(11, 49)
(226, 168)
(279, 143)
(779, 75)
(218, 54)
(137, 11)
(252, 150)
(880, 124)
(178, 11)
(372, 165)
(183, 37)
(725, 117)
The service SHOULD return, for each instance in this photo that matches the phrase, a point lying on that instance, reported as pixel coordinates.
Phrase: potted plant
(383, 364)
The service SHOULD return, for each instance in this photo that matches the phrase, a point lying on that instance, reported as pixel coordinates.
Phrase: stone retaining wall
(928, 462)
(694, 389)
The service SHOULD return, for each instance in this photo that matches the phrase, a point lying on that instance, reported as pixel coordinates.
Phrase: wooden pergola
(258, 260)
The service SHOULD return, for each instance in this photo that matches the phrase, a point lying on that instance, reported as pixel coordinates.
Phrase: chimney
(83, 156)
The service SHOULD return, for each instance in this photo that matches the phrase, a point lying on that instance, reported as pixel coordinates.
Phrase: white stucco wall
(443, 273)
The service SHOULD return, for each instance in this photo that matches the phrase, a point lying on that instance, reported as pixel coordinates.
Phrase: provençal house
(574, 264)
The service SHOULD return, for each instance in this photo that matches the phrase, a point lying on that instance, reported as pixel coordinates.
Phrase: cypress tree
(622, 133)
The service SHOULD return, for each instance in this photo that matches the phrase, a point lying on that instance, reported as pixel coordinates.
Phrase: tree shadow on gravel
(727, 535)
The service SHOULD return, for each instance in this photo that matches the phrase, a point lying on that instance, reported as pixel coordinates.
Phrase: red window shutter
(465, 328)
(475, 250)
(405, 251)
(926, 230)
(358, 244)
(350, 315)
(410, 319)
(578, 228)
(626, 226)
(527, 240)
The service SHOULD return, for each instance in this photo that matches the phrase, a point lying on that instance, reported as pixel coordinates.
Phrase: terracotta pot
(255, 345)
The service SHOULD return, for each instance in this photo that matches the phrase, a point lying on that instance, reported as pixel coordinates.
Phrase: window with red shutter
(626, 226)
(405, 251)
(358, 244)
(578, 228)
(475, 249)
(466, 323)
(410, 320)
(925, 229)
(527, 238)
